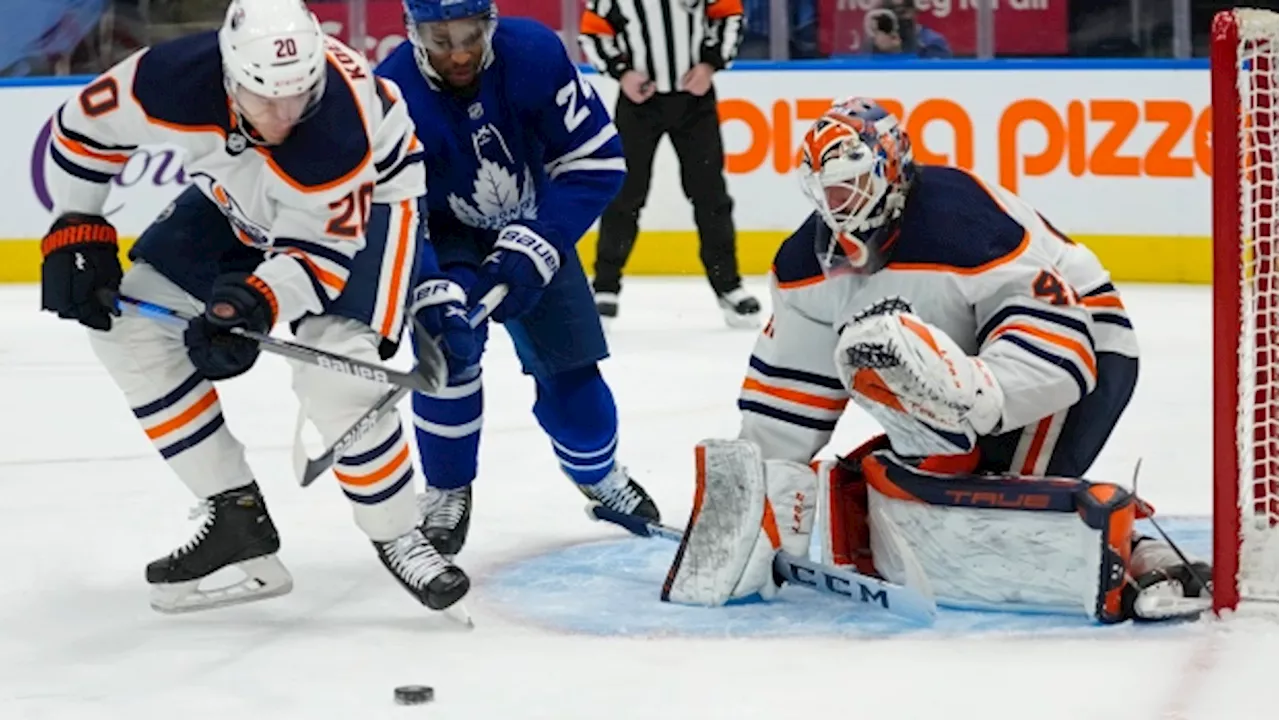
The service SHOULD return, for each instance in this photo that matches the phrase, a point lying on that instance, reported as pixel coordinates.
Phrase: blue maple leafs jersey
(533, 144)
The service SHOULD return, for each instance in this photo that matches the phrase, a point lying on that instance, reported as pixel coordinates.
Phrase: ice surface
(87, 504)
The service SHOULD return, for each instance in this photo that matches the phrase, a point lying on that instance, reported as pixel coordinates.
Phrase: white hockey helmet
(273, 49)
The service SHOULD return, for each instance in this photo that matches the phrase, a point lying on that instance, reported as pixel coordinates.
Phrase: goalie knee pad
(745, 510)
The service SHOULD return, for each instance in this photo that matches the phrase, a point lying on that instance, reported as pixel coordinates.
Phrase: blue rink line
(610, 588)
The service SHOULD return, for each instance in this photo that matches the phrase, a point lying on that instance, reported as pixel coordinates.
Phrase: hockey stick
(295, 351)
(308, 469)
(903, 602)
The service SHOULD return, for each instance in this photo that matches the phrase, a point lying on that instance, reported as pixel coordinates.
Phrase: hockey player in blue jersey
(521, 158)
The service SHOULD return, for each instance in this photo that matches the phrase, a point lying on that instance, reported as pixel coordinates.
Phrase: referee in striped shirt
(663, 54)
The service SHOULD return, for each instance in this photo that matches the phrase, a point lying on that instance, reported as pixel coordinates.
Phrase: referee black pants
(694, 129)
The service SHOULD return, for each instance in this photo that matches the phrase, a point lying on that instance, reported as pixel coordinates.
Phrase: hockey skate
(237, 531)
(741, 310)
(434, 581)
(444, 518)
(618, 492)
(607, 307)
(1163, 587)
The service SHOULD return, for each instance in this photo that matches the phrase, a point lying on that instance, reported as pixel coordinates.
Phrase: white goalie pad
(1001, 543)
(745, 509)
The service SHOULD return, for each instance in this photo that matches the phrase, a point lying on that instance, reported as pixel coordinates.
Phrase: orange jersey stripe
(185, 417)
(939, 267)
(380, 474)
(795, 396)
(79, 149)
(1111, 301)
(1085, 355)
(802, 282)
(402, 249)
(325, 277)
(1037, 444)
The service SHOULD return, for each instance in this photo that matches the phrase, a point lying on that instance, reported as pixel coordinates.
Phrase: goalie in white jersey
(306, 207)
(993, 351)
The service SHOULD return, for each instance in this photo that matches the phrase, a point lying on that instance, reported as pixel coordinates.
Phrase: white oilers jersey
(304, 202)
(973, 260)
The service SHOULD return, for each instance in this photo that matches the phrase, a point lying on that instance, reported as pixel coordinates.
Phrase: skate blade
(264, 578)
(458, 613)
(1159, 606)
(741, 322)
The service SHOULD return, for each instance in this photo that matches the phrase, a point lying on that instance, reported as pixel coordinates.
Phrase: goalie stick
(903, 602)
(296, 351)
(429, 353)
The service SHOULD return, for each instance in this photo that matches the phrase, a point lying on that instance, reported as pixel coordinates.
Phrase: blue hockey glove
(440, 305)
(524, 261)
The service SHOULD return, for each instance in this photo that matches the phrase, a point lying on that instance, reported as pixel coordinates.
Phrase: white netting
(1258, 428)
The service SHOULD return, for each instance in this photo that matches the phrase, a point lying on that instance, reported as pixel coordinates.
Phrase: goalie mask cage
(1246, 315)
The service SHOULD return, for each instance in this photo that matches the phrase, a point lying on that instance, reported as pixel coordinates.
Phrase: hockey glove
(913, 377)
(525, 262)
(80, 261)
(440, 306)
(238, 300)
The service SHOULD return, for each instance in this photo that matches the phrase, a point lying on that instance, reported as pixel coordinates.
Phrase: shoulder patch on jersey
(952, 222)
(178, 84)
(331, 145)
(796, 262)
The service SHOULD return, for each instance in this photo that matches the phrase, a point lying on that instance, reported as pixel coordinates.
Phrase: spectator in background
(894, 31)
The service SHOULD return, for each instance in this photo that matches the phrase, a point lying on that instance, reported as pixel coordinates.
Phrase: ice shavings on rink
(611, 588)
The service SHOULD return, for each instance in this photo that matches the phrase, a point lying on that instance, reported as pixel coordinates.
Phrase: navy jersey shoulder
(797, 259)
(179, 83)
(331, 144)
(950, 219)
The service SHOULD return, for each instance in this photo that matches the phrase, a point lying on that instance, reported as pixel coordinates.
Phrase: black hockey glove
(238, 300)
(81, 260)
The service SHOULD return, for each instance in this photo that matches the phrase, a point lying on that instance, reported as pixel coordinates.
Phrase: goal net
(1246, 300)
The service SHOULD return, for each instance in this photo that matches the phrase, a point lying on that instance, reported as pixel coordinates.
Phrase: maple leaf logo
(497, 198)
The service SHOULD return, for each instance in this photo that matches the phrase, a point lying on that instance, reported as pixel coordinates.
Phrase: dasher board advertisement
(1116, 155)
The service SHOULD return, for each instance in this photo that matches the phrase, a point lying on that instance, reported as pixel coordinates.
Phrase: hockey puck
(414, 695)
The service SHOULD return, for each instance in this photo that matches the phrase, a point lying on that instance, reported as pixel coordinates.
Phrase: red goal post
(1246, 299)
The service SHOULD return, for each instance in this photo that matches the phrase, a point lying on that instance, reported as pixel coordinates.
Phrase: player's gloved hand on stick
(238, 300)
(525, 262)
(81, 259)
(440, 306)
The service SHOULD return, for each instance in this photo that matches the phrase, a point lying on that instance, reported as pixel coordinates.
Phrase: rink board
(1115, 152)
(610, 588)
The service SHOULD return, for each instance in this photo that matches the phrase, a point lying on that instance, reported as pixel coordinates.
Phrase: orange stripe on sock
(380, 474)
(186, 417)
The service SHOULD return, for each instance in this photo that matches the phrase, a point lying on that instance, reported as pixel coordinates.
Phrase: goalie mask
(856, 169)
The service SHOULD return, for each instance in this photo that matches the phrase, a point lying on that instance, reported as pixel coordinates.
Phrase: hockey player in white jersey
(306, 207)
(997, 356)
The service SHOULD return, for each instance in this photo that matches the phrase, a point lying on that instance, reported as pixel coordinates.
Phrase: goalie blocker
(1012, 543)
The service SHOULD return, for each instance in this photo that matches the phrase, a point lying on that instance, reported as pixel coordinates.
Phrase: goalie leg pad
(745, 509)
(1003, 542)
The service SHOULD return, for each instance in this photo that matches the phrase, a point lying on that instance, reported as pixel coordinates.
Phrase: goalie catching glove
(931, 397)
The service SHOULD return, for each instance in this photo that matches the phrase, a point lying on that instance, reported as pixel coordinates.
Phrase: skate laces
(620, 494)
(414, 559)
(204, 509)
(443, 508)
